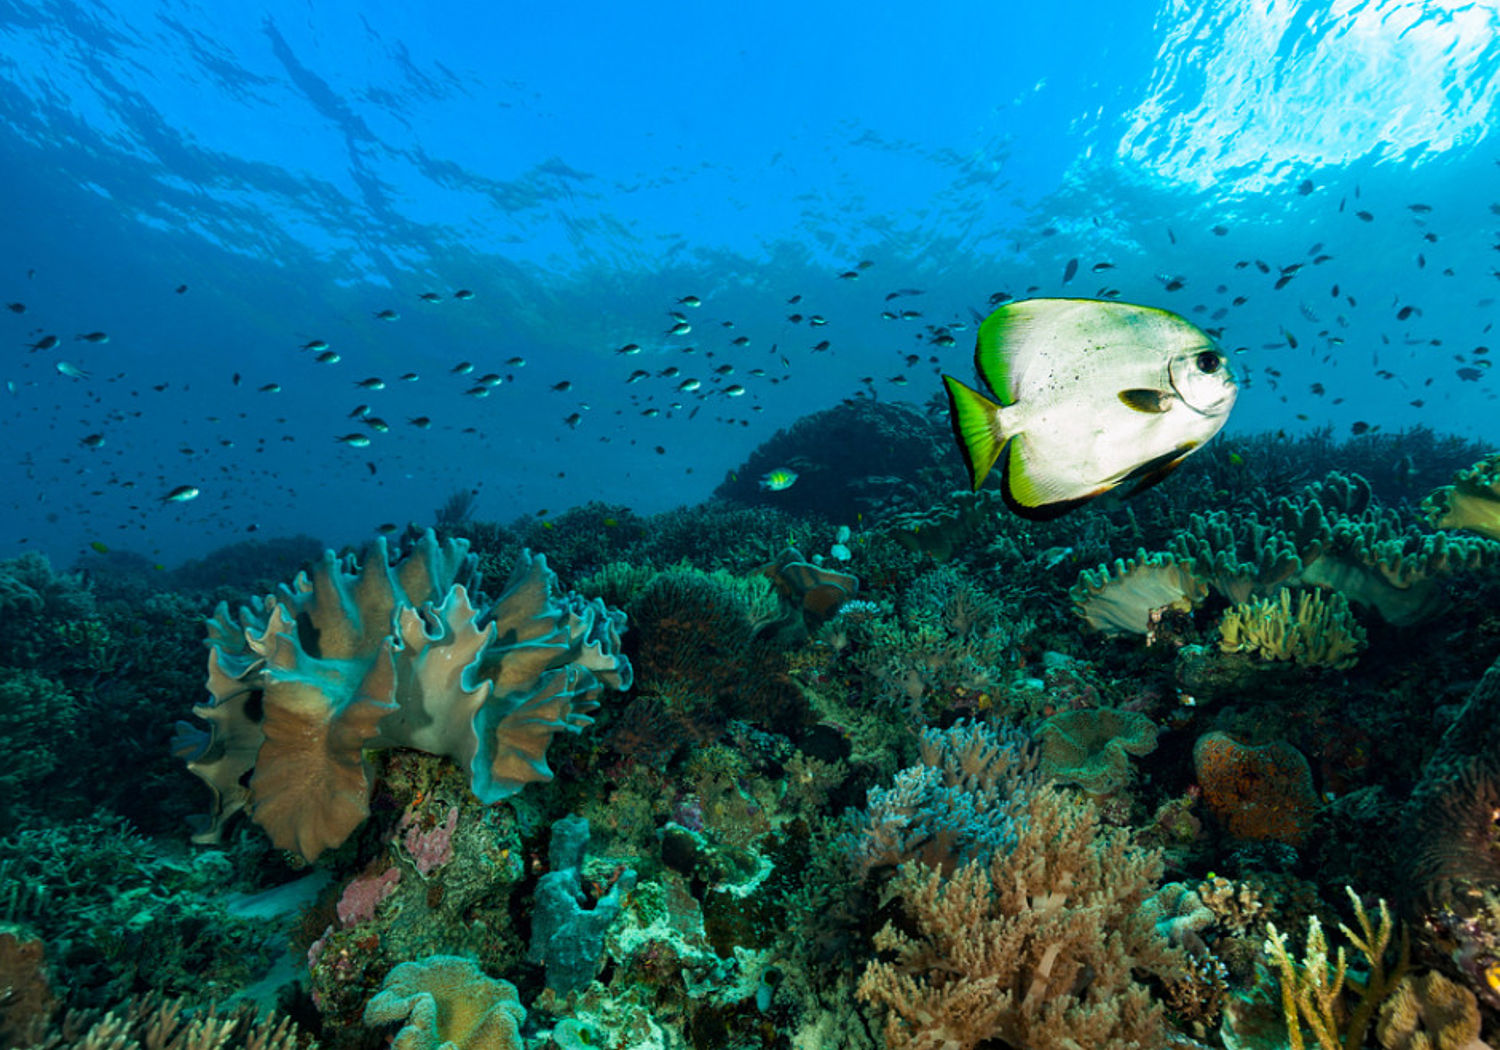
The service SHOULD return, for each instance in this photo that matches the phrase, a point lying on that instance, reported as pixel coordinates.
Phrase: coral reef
(1256, 793)
(1471, 502)
(447, 1001)
(1091, 747)
(1121, 598)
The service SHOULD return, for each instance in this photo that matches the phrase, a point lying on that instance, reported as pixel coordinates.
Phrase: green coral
(1318, 633)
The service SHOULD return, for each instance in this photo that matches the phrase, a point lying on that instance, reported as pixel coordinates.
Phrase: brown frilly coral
(392, 655)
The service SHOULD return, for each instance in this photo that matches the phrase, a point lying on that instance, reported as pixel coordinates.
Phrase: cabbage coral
(350, 659)
(1120, 598)
(1472, 502)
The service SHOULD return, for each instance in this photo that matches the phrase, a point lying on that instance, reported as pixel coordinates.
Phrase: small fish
(355, 440)
(562, 386)
(409, 377)
(516, 362)
(743, 340)
(1070, 271)
(849, 275)
(420, 422)
(463, 294)
(491, 379)
(99, 546)
(817, 319)
(478, 391)
(687, 386)
(385, 528)
(372, 383)
(680, 328)
(1305, 187)
(46, 342)
(628, 349)
(387, 315)
(181, 494)
(637, 376)
(93, 441)
(778, 479)
(315, 345)
(1359, 427)
(269, 388)
(734, 390)
(378, 425)
(690, 300)
(72, 371)
(463, 368)
(1089, 396)
(92, 337)
(328, 357)
(574, 419)
(430, 297)
(181, 288)
(360, 411)
(16, 308)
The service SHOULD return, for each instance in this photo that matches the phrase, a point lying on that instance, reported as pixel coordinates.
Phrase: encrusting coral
(392, 655)
(1318, 633)
(1091, 746)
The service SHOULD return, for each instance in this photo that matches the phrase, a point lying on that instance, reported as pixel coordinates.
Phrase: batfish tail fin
(976, 426)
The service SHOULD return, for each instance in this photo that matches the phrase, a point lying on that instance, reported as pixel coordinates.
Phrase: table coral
(393, 655)
(1256, 793)
(1318, 633)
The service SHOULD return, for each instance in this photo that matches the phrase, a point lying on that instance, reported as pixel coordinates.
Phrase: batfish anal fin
(976, 427)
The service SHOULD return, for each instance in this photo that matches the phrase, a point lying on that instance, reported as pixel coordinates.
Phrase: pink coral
(432, 848)
(364, 893)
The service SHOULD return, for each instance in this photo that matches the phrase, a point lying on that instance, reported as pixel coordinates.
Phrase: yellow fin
(976, 426)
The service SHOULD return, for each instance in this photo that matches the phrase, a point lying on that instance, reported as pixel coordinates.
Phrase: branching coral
(1038, 946)
(1318, 634)
(393, 655)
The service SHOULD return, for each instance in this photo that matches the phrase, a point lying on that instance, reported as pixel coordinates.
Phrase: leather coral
(409, 653)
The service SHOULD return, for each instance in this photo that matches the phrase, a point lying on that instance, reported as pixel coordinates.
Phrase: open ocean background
(581, 168)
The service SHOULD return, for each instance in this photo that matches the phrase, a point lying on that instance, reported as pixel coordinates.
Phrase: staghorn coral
(448, 1003)
(1315, 993)
(1120, 598)
(153, 1023)
(1256, 793)
(1471, 502)
(1091, 747)
(1037, 946)
(1318, 634)
(393, 654)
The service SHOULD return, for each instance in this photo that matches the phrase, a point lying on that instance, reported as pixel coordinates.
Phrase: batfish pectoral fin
(1153, 402)
(1153, 471)
(976, 426)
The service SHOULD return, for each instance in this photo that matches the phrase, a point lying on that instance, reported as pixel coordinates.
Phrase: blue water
(300, 167)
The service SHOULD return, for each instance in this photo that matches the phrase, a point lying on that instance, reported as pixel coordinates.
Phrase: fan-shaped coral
(393, 655)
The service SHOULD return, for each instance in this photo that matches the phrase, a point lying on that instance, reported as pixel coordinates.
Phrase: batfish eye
(1208, 362)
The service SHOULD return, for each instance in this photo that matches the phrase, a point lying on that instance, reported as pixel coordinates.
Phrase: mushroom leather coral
(448, 1002)
(392, 655)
